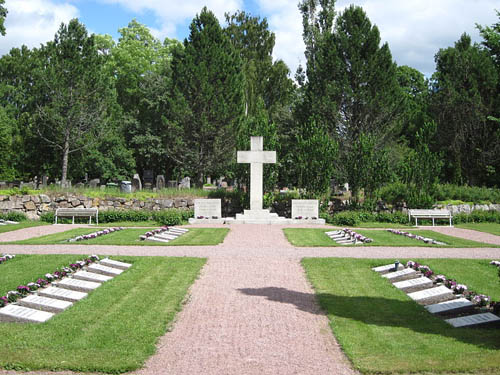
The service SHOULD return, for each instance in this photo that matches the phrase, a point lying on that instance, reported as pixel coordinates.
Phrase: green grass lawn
(130, 236)
(383, 332)
(21, 225)
(113, 330)
(314, 237)
(492, 228)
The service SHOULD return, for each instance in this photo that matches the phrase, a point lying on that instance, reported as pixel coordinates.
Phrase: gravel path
(468, 234)
(252, 310)
(26, 233)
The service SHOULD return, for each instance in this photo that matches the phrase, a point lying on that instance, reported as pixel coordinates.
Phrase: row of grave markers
(7, 222)
(40, 307)
(165, 234)
(437, 300)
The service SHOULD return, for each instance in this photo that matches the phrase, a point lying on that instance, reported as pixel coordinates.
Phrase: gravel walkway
(252, 310)
(468, 234)
(26, 233)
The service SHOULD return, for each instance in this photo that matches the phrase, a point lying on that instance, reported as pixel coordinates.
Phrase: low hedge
(14, 216)
(477, 216)
(353, 218)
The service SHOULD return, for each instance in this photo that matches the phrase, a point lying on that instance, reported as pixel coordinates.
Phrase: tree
(73, 95)
(207, 100)
(3, 14)
(464, 93)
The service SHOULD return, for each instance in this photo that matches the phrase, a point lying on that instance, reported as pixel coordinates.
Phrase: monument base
(256, 217)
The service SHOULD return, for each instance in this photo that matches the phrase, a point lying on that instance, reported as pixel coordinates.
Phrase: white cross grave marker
(256, 157)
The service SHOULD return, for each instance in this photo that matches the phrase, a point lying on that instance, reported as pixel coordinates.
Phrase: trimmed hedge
(353, 218)
(14, 216)
(477, 217)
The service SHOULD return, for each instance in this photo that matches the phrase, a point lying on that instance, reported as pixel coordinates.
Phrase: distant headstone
(45, 181)
(473, 320)
(94, 183)
(148, 186)
(160, 182)
(136, 183)
(148, 177)
(173, 184)
(305, 208)
(209, 180)
(185, 183)
(79, 185)
(207, 208)
(91, 276)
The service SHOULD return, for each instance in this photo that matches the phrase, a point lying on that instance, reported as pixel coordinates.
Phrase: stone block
(45, 198)
(432, 295)
(451, 307)
(45, 304)
(414, 285)
(26, 198)
(405, 274)
(115, 264)
(21, 314)
(62, 294)
(104, 270)
(30, 206)
(78, 285)
(473, 320)
(91, 276)
(387, 268)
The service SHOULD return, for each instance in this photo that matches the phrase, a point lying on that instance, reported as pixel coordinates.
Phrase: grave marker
(91, 276)
(455, 306)
(136, 183)
(210, 208)
(405, 274)
(45, 304)
(414, 285)
(116, 264)
(432, 295)
(78, 285)
(387, 268)
(104, 270)
(473, 320)
(160, 182)
(21, 314)
(305, 208)
(61, 293)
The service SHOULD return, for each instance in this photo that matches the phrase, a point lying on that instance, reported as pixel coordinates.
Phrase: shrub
(394, 193)
(168, 217)
(397, 217)
(110, 216)
(473, 194)
(477, 217)
(14, 216)
(48, 217)
(347, 218)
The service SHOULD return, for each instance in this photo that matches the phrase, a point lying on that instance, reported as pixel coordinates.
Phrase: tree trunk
(65, 161)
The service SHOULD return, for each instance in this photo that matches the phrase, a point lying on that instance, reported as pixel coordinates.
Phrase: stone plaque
(305, 208)
(78, 285)
(414, 285)
(454, 306)
(166, 236)
(91, 276)
(104, 270)
(114, 263)
(405, 274)
(61, 293)
(21, 314)
(210, 208)
(387, 268)
(473, 320)
(432, 295)
(178, 230)
(43, 303)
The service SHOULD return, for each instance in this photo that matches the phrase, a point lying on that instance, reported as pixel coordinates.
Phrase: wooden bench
(78, 212)
(430, 214)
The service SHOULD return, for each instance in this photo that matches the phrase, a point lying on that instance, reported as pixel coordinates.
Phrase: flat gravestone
(473, 320)
(104, 270)
(432, 295)
(78, 285)
(91, 276)
(166, 236)
(114, 263)
(414, 285)
(160, 182)
(61, 293)
(387, 268)
(178, 230)
(405, 274)
(43, 303)
(210, 208)
(21, 314)
(154, 238)
(450, 307)
(305, 208)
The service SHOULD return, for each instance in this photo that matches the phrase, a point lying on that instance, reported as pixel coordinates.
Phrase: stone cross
(256, 157)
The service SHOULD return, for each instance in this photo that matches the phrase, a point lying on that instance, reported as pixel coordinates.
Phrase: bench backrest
(76, 212)
(430, 213)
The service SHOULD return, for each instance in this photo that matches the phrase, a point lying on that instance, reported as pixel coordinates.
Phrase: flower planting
(356, 236)
(4, 258)
(95, 234)
(480, 300)
(24, 290)
(415, 236)
(153, 232)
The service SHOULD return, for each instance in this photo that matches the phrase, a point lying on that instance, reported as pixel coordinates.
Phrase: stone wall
(35, 205)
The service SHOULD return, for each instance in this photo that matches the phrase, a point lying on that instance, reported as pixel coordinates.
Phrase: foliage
(477, 216)
(3, 14)
(356, 218)
(168, 217)
(14, 216)
(473, 194)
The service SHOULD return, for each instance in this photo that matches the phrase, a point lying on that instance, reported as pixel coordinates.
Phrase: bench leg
(450, 222)
(432, 221)
(56, 219)
(416, 222)
(73, 221)
(90, 220)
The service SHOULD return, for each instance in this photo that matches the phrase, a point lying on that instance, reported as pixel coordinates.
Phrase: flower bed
(415, 236)
(24, 290)
(153, 232)
(95, 234)
(4, 258)
(480, 300)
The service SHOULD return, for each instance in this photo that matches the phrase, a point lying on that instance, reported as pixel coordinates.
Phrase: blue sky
(414, 29)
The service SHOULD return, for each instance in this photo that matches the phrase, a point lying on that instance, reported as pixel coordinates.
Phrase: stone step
(21, 314)
(404, 274)
(432, 295)
(115, 263)
(451, 307)
(78, 285)
(104, 270)
(44, 303)
(414, 285)
(62, 294)
(91, 276)
(473, 320)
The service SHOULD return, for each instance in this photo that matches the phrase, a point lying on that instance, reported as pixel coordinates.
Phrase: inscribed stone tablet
(472, 320)
(91, 276)
(157, 239)
(104, 270)
(114, 263)
(407, 273)
(178, 230)
(387, 268)
(165, 236)
(432, 295)
(20, 314)
(78, 285)
(43, 303)
(207, 208)
(414, 285)
(454, 306)
(61, 293)
(305, 208)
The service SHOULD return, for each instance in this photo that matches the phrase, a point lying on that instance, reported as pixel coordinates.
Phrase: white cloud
(33, 22)
(171, 14)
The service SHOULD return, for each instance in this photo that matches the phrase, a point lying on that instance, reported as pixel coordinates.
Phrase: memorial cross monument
(256, 157)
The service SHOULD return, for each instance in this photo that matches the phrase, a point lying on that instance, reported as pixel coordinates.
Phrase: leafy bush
(394, 193)
(168, 217)
(110, 216)
(477, 217)
(14, 216)
(48, 217)
(473, 194)
(345, 218)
